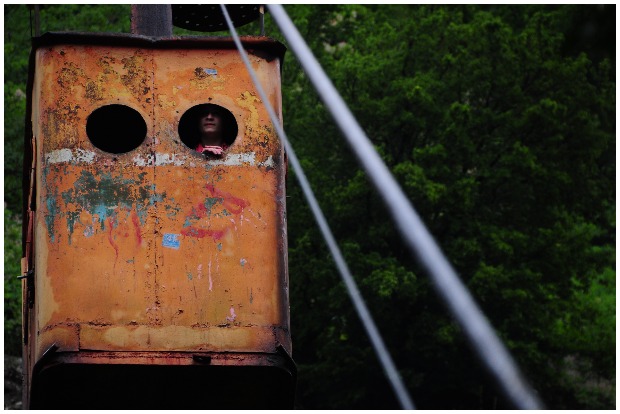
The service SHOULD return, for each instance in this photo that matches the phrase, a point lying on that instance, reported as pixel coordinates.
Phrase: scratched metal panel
(220, 234)
(157, 248)
(93, 228)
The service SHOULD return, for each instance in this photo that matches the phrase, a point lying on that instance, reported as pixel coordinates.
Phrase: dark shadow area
(93, 386)
(116, 128)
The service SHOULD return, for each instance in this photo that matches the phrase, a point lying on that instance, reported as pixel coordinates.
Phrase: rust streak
(136, 223)
(111, 221)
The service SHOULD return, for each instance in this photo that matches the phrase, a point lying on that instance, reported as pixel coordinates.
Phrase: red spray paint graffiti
(234, 205)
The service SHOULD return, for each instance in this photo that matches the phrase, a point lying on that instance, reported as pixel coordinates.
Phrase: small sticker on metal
(171, 240)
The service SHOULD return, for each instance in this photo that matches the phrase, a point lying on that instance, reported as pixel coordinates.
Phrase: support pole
(151, 20)
(37, 21)
(261, 19)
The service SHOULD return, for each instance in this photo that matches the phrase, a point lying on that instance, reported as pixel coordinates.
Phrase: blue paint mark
(219, 246)
(102, 212)
(243, 262)
(211, 71)
(171, 240)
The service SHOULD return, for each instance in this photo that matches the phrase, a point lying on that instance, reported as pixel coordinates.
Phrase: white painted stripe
(84, 156)
(268, 162)
(80, 156)
(61, 155)
(167, 159)
(140, 161)
(236, 159)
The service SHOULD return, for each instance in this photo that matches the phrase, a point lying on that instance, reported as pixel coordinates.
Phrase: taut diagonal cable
(450, 288)
(358, 301)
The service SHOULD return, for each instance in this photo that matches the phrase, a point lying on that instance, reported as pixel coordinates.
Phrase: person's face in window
(211, 123)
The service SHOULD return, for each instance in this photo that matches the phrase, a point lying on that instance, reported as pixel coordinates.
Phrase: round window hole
(116, 128)
(208, 125)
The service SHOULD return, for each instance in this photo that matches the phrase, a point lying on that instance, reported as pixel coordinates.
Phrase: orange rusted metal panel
(159, 249)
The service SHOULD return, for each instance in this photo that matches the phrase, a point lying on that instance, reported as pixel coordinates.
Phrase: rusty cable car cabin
(154, 276)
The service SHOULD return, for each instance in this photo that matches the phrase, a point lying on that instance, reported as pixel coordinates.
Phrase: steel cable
(358, 301)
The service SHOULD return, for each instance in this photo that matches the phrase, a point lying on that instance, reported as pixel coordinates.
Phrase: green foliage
(499, 124)
(14, 115)
(12, 286)
(86, 18)
(504, 144)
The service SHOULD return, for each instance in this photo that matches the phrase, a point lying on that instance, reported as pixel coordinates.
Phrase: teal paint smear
(210, 202)
(72, 217)
(52, 212)
(102, 212)
(107, 197)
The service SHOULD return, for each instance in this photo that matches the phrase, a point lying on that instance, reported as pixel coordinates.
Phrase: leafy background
(499, 124)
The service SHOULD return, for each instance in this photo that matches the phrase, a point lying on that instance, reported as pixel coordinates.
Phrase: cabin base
(193, 381)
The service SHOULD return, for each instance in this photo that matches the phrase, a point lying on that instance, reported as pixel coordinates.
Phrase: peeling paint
(231, 159)
(268, 163)
(50, 217)
(103, 197)
(169, 159)
(140, 161)
(69, 156)
(236, 159)
(62, 155)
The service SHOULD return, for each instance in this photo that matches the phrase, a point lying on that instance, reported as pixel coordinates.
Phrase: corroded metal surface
(157, 249)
